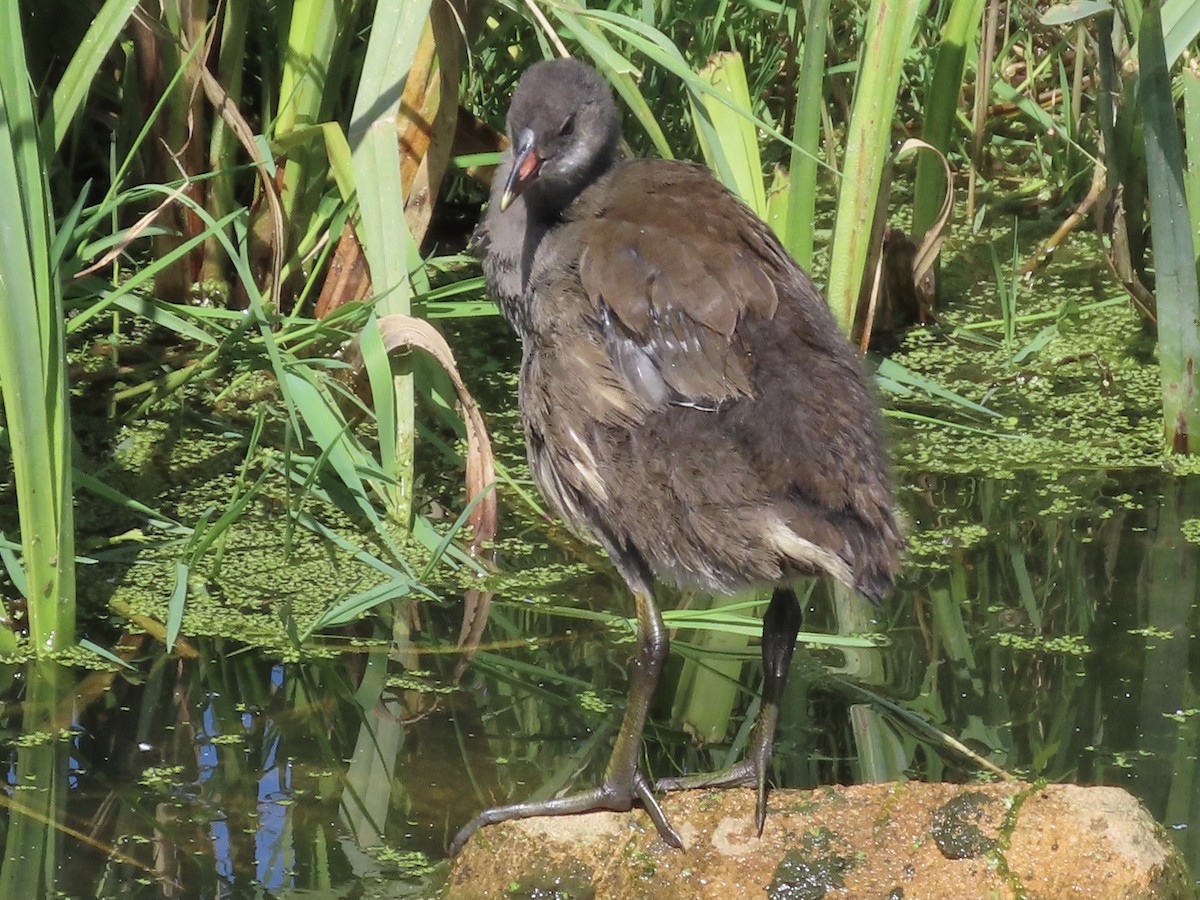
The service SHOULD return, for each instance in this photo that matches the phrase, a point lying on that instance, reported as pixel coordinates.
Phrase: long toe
(612, 796)
(741, 775)
(751, 772)
(645, 793)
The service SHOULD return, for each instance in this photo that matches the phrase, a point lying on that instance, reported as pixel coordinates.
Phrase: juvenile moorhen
(687, 398)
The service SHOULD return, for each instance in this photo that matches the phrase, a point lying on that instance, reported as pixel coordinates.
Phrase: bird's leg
(623, 780)
(781, 624)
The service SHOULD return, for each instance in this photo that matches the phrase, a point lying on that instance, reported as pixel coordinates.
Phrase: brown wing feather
(660, 267)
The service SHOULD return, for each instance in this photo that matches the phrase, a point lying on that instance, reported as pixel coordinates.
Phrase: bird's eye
(568, 126)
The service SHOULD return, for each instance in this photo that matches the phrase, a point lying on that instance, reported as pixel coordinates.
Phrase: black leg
(623, 780)
(781, 624)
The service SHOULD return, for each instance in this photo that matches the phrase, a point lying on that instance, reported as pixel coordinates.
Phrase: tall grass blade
(175, 605)
(33, 355)
(223, 143)
(941, 109)
(81, 71)
(314, 28)
(868, 146)
(1180, 25)
(727, 134)
(395, 33)
(391, 252)
(1190, 78)
(1177, 294)
(799, 227)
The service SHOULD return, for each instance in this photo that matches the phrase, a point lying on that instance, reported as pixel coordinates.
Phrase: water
(1047, 622)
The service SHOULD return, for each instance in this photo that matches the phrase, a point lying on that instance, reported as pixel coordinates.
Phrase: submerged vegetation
(234, 236)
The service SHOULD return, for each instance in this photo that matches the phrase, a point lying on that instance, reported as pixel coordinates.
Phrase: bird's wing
(672, 265)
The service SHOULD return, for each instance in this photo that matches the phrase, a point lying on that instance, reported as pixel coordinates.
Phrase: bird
(687, 398)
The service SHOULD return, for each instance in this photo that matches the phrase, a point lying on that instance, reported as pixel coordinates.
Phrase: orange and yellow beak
(526, 164)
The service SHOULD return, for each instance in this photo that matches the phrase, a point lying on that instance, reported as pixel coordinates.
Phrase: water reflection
(37, 780)
(1050, 627)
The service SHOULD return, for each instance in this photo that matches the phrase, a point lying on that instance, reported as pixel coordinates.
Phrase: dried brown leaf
(401, 332)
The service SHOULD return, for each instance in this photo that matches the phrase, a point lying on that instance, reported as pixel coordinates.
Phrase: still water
(1048, 623)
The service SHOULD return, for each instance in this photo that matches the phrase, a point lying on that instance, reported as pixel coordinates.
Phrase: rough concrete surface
(899, 841)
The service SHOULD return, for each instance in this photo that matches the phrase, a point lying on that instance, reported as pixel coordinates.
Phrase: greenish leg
(623, 780)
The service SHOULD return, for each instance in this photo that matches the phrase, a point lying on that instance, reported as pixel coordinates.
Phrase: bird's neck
(514, 235)
(553, 199)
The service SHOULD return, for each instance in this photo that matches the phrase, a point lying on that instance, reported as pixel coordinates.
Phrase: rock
(901, 840)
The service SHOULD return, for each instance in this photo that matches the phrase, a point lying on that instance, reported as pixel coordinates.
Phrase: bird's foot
(751, 772)
(612, 795)
(741, 775)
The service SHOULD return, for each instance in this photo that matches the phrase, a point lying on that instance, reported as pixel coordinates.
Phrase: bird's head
(564, 131)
